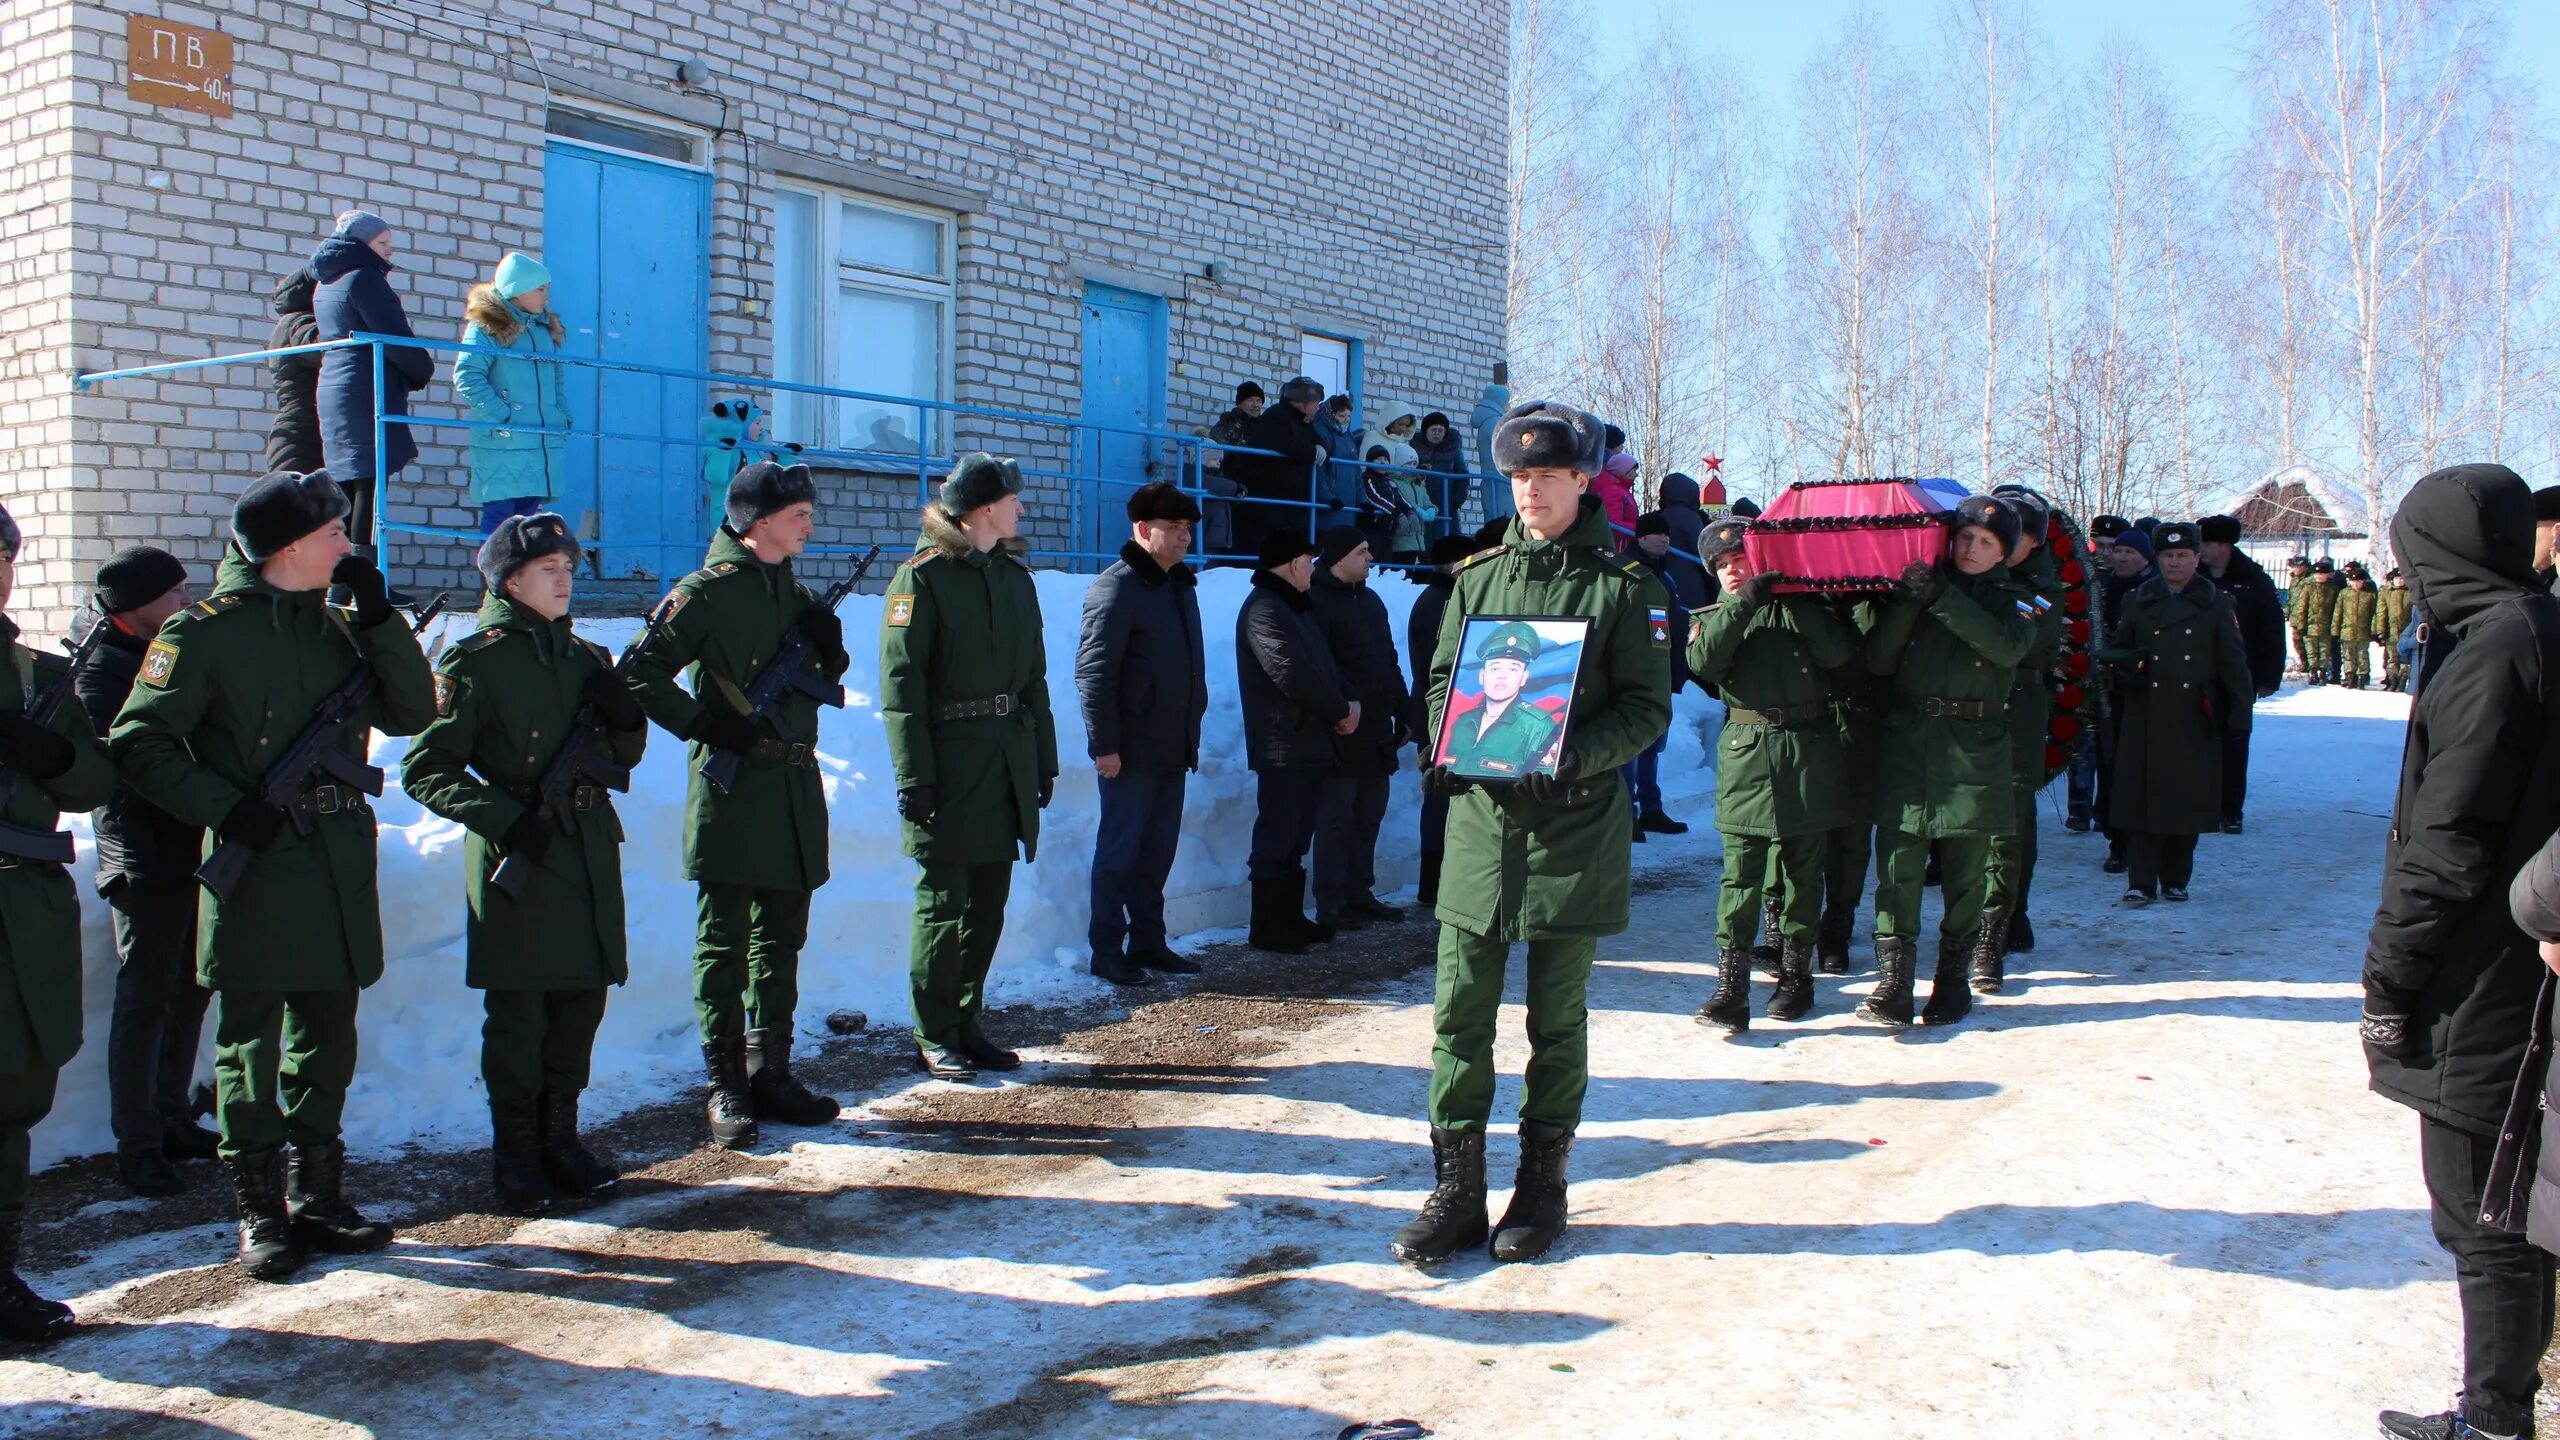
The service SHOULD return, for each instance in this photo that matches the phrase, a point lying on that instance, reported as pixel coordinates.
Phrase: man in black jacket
(1288, 475)
(147, 875)
(2449, 980)
(1295, 706)
(1353, 802)
(1140, 671)
(1421, 638)
(2261, 614)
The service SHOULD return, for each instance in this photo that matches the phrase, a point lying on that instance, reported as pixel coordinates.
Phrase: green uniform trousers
(2356, 667)
(1467, 1002)
(746, 958)
(282, 1060)
(2302, 648)
(1845, 853)
(24, 1102)
(1788, 869)
(959, 919)
(1902, 865)
(2323, 649)
(537, 1040)
(2013, 861)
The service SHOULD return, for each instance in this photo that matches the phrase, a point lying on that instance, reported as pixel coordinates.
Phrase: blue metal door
(628, 243)
(1124, 359)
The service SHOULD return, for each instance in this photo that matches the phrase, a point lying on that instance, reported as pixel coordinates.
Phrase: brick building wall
(1133, 142)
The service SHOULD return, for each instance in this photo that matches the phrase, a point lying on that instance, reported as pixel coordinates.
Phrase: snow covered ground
(2145, 1194)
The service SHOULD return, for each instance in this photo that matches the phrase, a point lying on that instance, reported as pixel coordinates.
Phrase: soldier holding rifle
(251, 718)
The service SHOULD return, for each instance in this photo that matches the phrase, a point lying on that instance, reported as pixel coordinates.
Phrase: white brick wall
(1146, 137)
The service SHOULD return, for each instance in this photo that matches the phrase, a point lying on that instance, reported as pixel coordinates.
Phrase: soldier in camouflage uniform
(2395, 605)
(2321, 616)
(2297, 612)
(2359, 607)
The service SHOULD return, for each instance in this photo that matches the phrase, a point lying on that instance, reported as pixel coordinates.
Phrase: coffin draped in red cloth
(1842, 536)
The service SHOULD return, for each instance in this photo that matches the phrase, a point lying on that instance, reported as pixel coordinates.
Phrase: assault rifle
(25, 842)
(579, 760)
(788, 671)
(314, 752)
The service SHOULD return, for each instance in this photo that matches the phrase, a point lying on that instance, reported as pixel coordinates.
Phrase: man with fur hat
(759, 850)
(964, 692)
(225, 687)
(2359, 604)
(147, 875)
(61, 767)
(1143, 679)
(2321, 619)
(1542, 859)
(2189, 686)
(507, 698)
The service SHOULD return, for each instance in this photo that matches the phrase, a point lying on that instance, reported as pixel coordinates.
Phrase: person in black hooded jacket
(2450, 982)
(293, 439)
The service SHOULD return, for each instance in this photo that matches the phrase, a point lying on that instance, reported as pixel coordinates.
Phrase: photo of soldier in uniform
(1508, 703)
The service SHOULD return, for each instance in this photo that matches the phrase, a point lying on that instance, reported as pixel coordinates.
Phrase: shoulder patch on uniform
(474, 644)
(213, 605)
(1660, 618)
(1479, 557)
(675, 601)
(902, 608)
(725, 567)
(158, 661)
(449, 688)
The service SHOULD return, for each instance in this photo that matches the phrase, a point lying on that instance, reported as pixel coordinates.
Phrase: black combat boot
(269, 1249)
(772, 1090)
(1950, 994)
(181, 1138)
(732, 1114)
(1317, 932)
(1453, 1214)
(1276, 920)
(1372, 907)
(31, 1319)
(1657, 823)
(515, 1158)
(1990, 957)
(315, 1196)
(1535, 1216)
(1119, 969)
(567, 1163)
(1891, 1000)
(144, 1168)
(1793, 999)
(1729, 1008)
(2022, 934)
(1831, 942)
(985, 1053)
(1764, 953)
(1426, 891)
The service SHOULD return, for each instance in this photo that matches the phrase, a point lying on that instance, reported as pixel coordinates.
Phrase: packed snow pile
(418, 1077)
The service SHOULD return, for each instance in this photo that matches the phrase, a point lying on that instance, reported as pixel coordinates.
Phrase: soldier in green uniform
(2320, 620)
(1542, 859)
(228, 685)
(57, 765)
(2359, 606)
(1858, 698)
(758, 850)
(964, 692)
(1952, 640)
(507, 698)
(2395, 606)
(1781, 781)
(2013, 856)
(1506, 737)
(2297, 612)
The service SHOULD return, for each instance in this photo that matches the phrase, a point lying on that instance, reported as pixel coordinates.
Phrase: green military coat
(1788, 779)
(2395, 608)
(1522, 869)
(1944, 775)
(721, 624)
(2191, 685)
(1858, 701)
(2358, 609)
(961, 625)
(506, 698)
(226, 687)
(2030, 702)
(39, 906)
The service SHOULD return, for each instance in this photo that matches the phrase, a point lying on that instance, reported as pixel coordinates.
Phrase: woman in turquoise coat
(514, 471)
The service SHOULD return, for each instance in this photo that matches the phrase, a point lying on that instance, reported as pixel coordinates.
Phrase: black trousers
(1133, 849)
(159, 1012)
(2151, 861)
(1349, 810)
(1284, 821)
(2235, 776)
(2504, 1280)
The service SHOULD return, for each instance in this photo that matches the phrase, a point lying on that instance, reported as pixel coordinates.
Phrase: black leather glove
(253, 822)
(825, 632)
(529, 836)
(1545, 788)
(1923, 583)
(32, 749)
(1441, 782)
(725, 730)
(612, 697)
(364, 582)
(1758, 590)
(915, 804)
(1048, 790)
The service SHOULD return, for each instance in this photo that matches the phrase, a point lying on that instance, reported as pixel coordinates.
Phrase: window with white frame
(862, 300)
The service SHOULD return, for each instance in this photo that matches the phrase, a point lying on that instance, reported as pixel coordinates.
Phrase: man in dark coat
(1353, 801)
(1142, 677)
(293, 438)
(2260, 610)
(2189, 686)
(2449, 980)
(1651, 549)
(1680, 568)
(2129, 564)
(1421, 640)
(147, 875)
(1287, 478)
(352, 268)
(1295, 704)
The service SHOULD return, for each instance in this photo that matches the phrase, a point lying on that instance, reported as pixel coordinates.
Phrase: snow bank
(418, 1079)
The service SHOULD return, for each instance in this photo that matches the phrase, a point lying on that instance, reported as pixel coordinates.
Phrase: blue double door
(1124, 366)
(628, 244)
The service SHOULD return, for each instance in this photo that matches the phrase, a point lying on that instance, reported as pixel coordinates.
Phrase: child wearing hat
(510, 398)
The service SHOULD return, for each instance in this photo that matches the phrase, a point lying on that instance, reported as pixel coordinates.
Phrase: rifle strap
(729, 691)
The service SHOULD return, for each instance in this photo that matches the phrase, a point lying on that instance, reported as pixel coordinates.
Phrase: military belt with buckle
(784, 752)
(330, 799)
(1780, 716)
(992, 706)
(1953, 709)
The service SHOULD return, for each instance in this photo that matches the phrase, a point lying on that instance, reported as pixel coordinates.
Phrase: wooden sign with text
(182, 67)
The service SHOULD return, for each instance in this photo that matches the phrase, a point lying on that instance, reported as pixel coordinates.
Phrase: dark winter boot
(985, 1053)
(1657, 823)
(145, 1169)
(1990, 954)
(1764, 954)
(1950, 994)
(567, 1163)
(1891, 1000)
(1453, 1215)
(2448, 1425)
(1373, 908)
(1730, 1007)
(268, 1247)
(515, 1158)
(731, 1112)
(1535, 1216)
(1276, 923)
(2022, 934)
(181, 1138)
(1426, 893)
(1119, 969)
(1317, 932)
(1831, 943)
(25, 1316)
(770, 1087)
(1793, 999)
(315, 1196)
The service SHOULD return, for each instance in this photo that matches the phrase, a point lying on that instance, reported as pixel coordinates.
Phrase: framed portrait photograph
(1511, 695)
